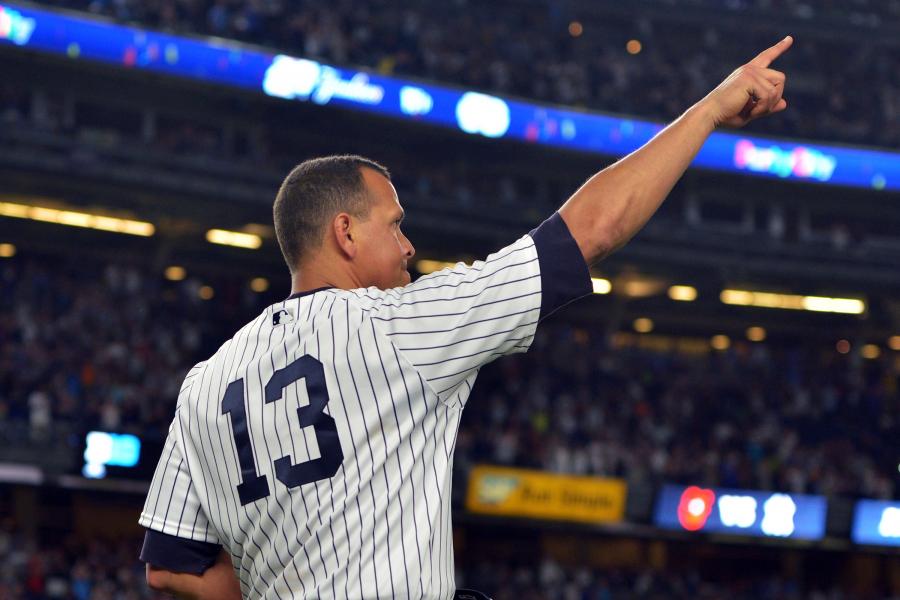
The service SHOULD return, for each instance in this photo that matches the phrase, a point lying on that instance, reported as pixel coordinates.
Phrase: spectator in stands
(110, 353)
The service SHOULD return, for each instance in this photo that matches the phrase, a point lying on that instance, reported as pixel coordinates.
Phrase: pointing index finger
(768, 56)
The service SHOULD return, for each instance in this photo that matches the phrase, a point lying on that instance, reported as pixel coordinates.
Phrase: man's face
(383, 249)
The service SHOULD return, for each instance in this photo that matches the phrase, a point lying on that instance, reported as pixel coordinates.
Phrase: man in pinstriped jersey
(311, 455)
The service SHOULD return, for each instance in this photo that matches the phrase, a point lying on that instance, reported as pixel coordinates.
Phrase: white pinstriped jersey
(316, 445)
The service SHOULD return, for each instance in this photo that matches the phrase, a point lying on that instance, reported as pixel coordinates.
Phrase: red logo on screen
(695, 506)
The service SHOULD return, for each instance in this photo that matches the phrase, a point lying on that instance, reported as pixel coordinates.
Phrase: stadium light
(175, 273)
(850, 306)
(427, 265)
(683, 293)
(894, 342)
(638, 287)
(7, 250)
(601, 286)
(237, 239)
(871, 351)
(259, 284)
(756, 334)
(206, 292)
(720, 342)
(74, 218)
(643, 325)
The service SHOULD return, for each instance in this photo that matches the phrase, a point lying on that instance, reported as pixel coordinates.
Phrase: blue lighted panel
(741, 512)
(876, 522)
(282, 76)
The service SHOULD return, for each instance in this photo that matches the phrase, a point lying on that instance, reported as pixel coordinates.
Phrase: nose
(409, 249)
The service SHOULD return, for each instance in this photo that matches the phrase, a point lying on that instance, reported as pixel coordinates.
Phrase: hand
(752, 91)
(216, 583)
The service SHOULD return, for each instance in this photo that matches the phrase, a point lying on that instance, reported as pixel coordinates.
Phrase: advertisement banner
(741, 512)
(540, 495)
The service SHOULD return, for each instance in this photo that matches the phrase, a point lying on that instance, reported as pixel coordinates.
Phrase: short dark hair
(312, 194)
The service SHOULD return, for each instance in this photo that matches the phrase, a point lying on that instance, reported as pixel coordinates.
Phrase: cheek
(398, 240)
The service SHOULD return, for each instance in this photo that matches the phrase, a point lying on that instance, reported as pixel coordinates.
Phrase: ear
(342, 230)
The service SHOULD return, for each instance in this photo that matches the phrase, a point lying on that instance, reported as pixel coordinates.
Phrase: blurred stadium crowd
(801, 419)
(549, 579)
(105, 352)
(70, 570)
(549, 52)
(83, 352)
(106, 570)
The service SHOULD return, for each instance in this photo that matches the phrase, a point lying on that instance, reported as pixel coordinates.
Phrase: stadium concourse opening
(718, 420)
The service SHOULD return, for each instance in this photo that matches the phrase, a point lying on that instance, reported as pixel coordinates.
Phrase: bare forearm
(614, 204)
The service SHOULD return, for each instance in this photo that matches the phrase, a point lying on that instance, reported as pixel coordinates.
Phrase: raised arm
(615, 203)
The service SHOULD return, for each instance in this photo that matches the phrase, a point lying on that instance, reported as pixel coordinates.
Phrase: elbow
(597, 233)
(609, 237)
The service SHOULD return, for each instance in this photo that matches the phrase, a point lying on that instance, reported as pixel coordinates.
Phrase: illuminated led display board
(741, 512)
(876, 522)
(104, 449)
(230, 63)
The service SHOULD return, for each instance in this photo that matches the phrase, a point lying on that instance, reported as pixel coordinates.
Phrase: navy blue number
(331, 455)
(254, 486)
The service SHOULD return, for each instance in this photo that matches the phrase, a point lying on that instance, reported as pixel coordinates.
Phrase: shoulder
(192, 376)
(451, 282)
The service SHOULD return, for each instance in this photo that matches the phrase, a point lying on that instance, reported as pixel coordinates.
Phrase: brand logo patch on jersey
(283, 316)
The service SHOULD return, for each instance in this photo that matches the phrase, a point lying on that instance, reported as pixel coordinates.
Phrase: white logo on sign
(482, 114)
(415, 101)
(15, 27)
(696, 507)
(889, 526)
(305, 79)
(291, 78)
(778, 515)
(737, 511)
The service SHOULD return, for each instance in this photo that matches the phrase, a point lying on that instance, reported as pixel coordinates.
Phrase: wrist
(704, 114)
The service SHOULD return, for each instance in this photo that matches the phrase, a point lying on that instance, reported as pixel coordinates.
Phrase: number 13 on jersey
(254, 486)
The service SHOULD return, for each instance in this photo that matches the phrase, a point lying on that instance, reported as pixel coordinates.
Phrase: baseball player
(311, 455)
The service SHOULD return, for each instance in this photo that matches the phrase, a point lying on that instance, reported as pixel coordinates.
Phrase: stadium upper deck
(643, 60)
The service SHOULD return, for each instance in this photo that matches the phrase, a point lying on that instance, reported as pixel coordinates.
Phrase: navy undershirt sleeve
(564, 274)
(177, 554)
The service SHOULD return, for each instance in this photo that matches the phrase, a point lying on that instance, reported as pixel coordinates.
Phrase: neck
(315, 274)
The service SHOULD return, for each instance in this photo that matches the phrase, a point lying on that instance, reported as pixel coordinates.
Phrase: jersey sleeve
(450, 323)
(179, 536)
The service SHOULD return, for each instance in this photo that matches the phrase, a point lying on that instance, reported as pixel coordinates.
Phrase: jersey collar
(308, 292)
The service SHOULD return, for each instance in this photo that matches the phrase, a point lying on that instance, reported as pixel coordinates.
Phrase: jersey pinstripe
(398, 366)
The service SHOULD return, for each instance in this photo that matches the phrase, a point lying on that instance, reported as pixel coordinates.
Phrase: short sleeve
(178, 554)
(565, 276)
(173, 506)
(450, 323)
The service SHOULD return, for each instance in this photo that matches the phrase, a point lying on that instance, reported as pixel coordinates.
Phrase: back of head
(312, 194)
